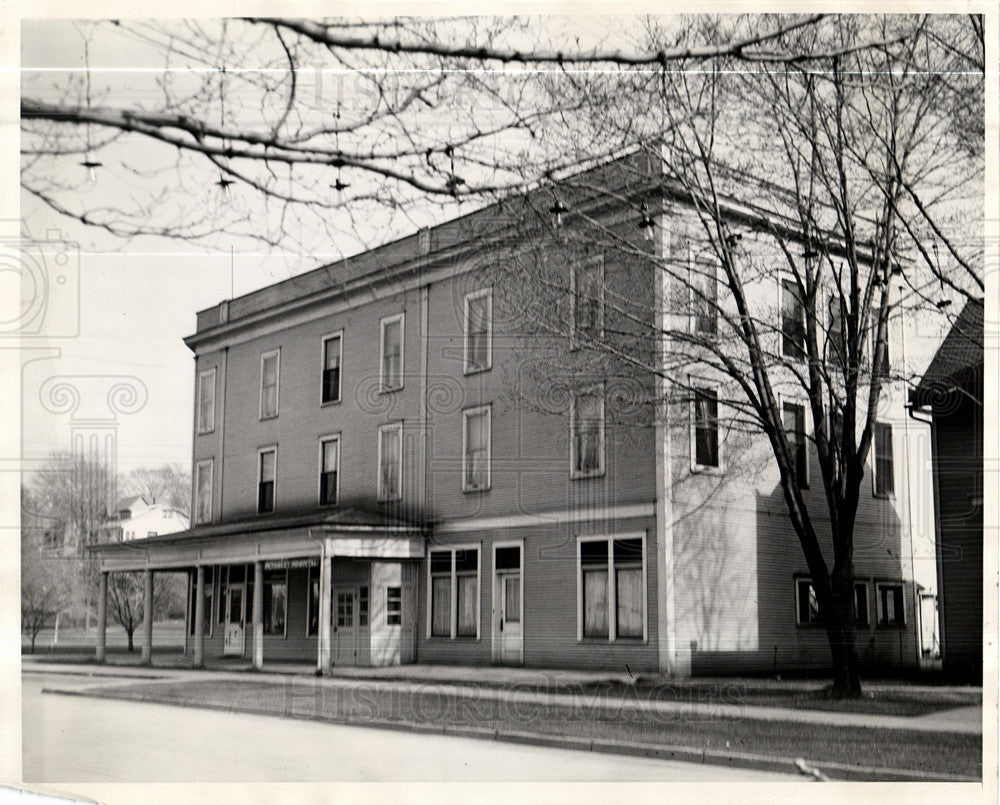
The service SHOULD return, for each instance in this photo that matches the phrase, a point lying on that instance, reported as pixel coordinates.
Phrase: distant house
(952, 391)
(139, 518)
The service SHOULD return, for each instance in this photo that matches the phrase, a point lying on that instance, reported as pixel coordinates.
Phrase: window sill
(333, 505)
(389, 500)
(206, 432)
(327, 403)
(476, 370)
(604, 641)
(269, 416)
(583, 476)
(390, 390)
(704, 469)
(468, 490)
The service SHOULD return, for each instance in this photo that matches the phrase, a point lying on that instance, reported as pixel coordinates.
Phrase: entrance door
(345, 627)
(508, 608)
(235, 633)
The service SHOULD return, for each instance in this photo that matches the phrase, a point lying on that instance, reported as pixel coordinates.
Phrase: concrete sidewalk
(658, 696)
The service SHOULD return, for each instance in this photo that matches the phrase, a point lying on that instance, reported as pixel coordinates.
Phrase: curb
(687, 754)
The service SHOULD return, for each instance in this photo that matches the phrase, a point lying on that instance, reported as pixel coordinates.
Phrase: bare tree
(803, 210)
(169, 484)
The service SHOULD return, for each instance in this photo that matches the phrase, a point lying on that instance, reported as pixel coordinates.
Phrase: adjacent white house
(138, 517)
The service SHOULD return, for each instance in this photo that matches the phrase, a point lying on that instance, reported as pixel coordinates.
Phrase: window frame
(575, 265)
(800, 404)
(467, 413)
(486, 293)
(879, 610)
(697, 386)
(398, 492)
(391, 599)
(384, 322)
(818, 623)
(323, 441)
(453, 592)
(782, 279)
(884, 494)
(612, 637)
(276, 354)
(271, 448)
(210, 462)
(339, 334)
(264, 582)
(694, 302)
(201, 429)
(574, 473)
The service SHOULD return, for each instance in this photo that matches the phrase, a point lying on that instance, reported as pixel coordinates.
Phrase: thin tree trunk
(131, 645)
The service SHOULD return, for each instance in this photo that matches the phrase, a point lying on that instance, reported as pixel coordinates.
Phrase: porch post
(258, 615)
(325, 592)
(199, 618)
(147, 617)
(102, 617)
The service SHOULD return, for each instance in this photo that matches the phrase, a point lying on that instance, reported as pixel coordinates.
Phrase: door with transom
(508, 637)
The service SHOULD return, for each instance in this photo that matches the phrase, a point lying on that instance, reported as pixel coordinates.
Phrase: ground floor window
(611, 588)
(806, 603)
(454, 593)
(393, 606)
(207, 601)
(314, 600)
(891, 611)
(275, 601)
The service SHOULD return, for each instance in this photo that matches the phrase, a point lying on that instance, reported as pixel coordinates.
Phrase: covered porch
(334, 589)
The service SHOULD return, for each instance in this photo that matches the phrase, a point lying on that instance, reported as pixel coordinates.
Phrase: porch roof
(348, 531)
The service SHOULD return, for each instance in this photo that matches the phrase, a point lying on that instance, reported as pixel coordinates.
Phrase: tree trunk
(34, 634)
(841, 631)
(131, 645)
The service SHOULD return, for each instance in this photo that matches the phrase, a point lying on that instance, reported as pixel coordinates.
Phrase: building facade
(391, 464)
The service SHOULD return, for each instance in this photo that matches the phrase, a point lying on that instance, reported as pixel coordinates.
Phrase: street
(79, 739)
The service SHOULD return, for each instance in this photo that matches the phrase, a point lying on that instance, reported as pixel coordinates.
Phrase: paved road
(77, 739)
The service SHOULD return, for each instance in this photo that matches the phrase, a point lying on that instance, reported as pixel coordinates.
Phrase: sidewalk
(660, 696)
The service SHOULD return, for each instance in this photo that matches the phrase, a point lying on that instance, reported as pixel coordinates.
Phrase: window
(478, 331)
(806, 603)
(476, 449)
(836, 353)
(203, 492)
(275, 601)
(587, 297)
(393, 606)
(612, 588)
(329, 471)
(705, 429)
(704, 287)
(454, 593)
(587, 433)
(793, 321)
(392, 353)
(390, 462)
(269, 384)
(861, 603)
(333, 356)
(793, 418)
(314, 599)
(206, 401)
(206, 601)
(363, 606)
(891, 610)
(883, 481)
(150, 533)
(266, 471)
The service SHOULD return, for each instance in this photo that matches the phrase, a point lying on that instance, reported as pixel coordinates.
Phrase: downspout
(222, 425)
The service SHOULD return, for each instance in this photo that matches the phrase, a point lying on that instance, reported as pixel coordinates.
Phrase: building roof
(958, 362)
(129, 503)
(348, 519)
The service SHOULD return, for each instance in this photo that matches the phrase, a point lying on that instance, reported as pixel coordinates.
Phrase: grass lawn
(891, 749)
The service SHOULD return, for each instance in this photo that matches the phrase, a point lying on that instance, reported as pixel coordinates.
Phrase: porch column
(147, 616)
(325, 593)
(102, 617)
(258, 615)
(199, 618)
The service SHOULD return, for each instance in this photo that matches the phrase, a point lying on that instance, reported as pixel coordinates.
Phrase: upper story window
(203, 492)
(267, 461)
(587, 433)
(269, 384)
(806, 603)
(703, 284)
(206, 401)
(476, 452)
(479, 331)
(793, 321)
(392, 353)
(705, 452)
(390, 461)
(793, 417)
(333, 355)
(587, 296)
(884, 482)
(329, 471)
(836, 352)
